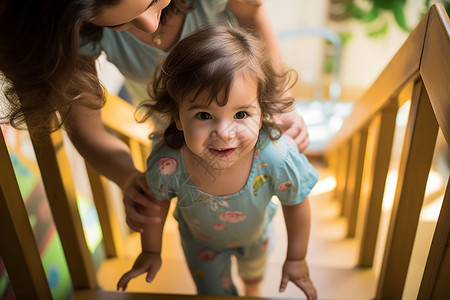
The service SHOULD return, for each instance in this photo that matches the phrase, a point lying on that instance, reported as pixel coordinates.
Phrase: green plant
(445, 3)
(396, 7)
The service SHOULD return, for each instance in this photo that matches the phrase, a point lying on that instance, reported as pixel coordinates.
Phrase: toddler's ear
(176, 119)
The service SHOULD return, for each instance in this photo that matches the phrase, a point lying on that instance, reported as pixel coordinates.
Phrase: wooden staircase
(358, 157)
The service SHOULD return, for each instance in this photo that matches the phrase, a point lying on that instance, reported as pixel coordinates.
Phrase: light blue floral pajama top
(235, 220)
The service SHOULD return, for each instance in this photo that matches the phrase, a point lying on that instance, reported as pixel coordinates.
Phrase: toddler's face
(222, 135)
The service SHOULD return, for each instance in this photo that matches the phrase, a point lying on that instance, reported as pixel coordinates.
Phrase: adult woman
(45, 71)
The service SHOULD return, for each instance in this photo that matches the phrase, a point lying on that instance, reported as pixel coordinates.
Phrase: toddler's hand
(147, 262)
(297, 272)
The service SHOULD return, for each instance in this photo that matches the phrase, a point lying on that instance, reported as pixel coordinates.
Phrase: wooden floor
(331, 259)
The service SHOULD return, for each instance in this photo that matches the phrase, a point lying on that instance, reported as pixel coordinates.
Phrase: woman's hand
(297, 272)
(137, 198)
(294, 126)
(147, 262)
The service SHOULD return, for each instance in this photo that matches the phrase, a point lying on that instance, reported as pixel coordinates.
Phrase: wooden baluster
(332, 160)
(356, 165)
(435, 277)
(112, 237)
(146, 149)
(60, 190)
(376, 167)
(342, 174)
(137, 155)
(18, 247)
(415, 162)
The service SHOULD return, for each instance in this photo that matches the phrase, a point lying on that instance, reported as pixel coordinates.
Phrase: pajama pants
(211, 269)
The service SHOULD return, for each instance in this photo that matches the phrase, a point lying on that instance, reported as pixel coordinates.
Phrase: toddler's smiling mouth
(221, 152)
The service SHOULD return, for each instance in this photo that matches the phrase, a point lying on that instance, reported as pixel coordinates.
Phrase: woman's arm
(252, 14)
(111, 158)
(149, 261)
(105, 152)
(298, 222)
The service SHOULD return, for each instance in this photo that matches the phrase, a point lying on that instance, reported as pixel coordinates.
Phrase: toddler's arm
(297, 218)
(149, 261)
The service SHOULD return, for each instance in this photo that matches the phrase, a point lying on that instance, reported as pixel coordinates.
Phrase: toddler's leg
(252, 287)
(210, 269)
(251, 266)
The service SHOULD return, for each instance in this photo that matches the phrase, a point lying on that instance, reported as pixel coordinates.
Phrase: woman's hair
(42, 69)
(205, 63)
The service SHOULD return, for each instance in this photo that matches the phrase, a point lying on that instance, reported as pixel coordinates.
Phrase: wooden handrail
(20, 253)
(420, 72)
(435, 66)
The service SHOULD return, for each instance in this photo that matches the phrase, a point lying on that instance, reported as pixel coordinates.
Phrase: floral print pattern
(285, 186)
(291, 143)
(211, 219)
(226, 283)
(205, 237)
(167, 165)
(206, 255)
(232, 217)
(219, 226)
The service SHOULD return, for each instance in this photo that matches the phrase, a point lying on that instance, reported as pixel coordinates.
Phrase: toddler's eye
(203, 116)
(240, 115)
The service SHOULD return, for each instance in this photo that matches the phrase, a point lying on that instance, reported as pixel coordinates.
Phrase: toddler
(223, 158)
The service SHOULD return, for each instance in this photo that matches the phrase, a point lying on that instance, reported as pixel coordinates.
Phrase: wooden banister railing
(420, 71)
(360, 153)
(18, 247)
